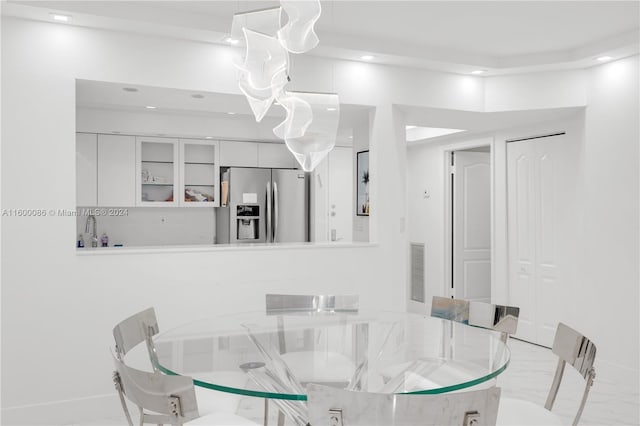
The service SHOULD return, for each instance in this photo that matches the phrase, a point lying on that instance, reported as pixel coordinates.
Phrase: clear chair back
(331, 406)
(500, 318)
(576, 350)
(288, 304)
(140, 327)
(161, 399)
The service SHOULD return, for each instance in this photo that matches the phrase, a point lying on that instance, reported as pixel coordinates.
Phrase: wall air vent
(417, 272)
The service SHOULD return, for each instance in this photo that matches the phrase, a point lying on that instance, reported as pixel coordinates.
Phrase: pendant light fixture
(311, 124)
(298, 35)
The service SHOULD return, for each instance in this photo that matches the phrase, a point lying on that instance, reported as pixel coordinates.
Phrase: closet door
(541, 176)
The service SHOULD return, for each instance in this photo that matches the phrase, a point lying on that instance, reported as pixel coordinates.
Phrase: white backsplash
(151, 226)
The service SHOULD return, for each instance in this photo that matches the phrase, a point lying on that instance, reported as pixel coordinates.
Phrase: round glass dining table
(260, 355)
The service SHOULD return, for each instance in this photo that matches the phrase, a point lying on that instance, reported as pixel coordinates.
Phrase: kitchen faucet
(94, 232)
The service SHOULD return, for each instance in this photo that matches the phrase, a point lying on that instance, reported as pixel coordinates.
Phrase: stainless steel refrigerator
(263, 206)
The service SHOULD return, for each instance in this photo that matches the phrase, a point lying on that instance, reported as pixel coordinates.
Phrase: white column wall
(58, 308)
(609, 276)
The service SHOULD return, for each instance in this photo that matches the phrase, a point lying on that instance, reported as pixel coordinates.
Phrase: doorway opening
(469, 232)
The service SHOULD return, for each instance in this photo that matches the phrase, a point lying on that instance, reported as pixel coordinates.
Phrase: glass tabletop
(273, 356)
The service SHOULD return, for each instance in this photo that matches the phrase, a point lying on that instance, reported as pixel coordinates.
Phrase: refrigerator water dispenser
(248, 218)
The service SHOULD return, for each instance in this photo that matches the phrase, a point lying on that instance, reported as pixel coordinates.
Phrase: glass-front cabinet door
(199, 173)
(157, 177)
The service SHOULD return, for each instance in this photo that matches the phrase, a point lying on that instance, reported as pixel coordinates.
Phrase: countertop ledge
(102, 251)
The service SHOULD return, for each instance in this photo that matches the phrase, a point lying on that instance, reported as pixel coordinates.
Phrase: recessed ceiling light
(478, 72)
(197, 96)
(232, 40)
(150, 107)
(604, 58)
(331, 109)
(208, 137)
(410, 127)
(60, 18)
(129, 89)
(231, 113)
(366, 57)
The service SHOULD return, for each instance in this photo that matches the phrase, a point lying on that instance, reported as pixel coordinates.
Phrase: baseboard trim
(64, 412)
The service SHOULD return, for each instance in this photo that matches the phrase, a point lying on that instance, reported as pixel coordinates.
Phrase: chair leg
(125, 408)
(551, 398)
(590, 378)
(266, 412)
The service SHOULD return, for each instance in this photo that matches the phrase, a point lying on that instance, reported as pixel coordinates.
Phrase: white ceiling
(458, 36)
(476, 123)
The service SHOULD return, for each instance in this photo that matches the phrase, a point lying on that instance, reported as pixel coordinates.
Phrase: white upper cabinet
(199, 173)
(238, 154)
(156, 183)
(86, 169)
(116, 171)
(275, 155)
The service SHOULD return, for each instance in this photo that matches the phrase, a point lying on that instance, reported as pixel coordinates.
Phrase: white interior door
(341, 200)
(541, 176)
(472, 225)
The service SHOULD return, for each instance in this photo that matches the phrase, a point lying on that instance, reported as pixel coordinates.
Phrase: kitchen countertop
(89, 251)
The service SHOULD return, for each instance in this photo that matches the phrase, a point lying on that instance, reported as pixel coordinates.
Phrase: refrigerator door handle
(268, 221)
(275, 211)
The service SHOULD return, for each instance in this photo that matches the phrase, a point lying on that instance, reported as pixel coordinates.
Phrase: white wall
(600, 242)
(609, 269)
(68, 304)
(427, 214)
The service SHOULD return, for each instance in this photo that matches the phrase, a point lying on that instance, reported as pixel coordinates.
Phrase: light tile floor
(528, 377)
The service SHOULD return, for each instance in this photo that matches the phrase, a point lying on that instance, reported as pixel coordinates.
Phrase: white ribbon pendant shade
(264, 72)
(298, 35)
(311, 126)
(299, 116)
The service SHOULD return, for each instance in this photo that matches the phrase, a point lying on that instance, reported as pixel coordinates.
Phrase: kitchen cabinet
(199, 173)
(156, 183)
(116, 158)
(276, 155)
(238, 154)
(86, 169)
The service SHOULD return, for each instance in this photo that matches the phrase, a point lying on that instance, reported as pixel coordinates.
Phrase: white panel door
(521, 230)
(341, 200)
(86, 169)
(472, 226)
(541, 176)
(116, 171)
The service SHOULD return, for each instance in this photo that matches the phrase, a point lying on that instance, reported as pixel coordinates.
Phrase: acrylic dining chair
(329, 406)
(165, 399)
(141, 327)
(572, 348)
(501, 318)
